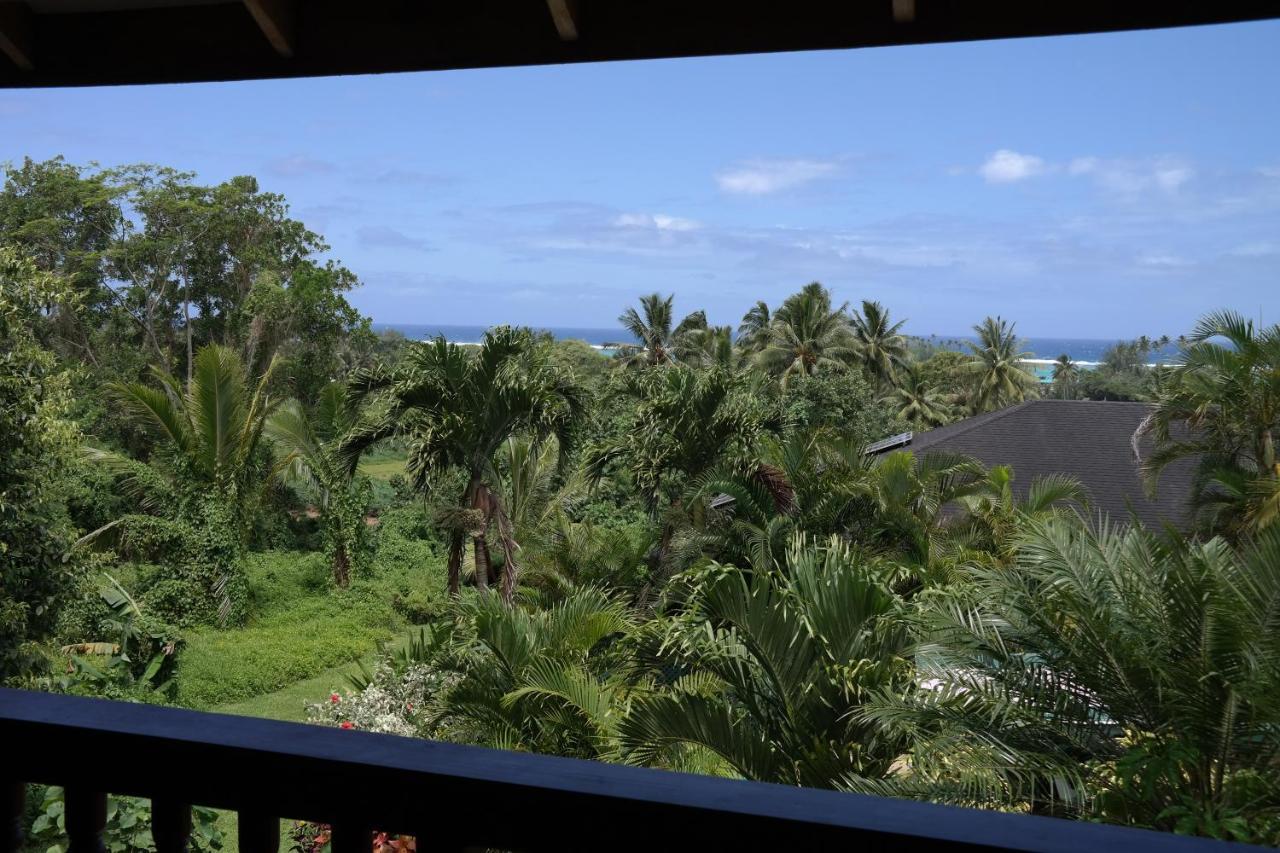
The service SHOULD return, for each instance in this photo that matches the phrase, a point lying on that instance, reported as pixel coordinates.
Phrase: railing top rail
(494, 797)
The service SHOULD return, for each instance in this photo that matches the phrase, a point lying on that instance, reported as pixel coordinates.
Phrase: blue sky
(1096, 186)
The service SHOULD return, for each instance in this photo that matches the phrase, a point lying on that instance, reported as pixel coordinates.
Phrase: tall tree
(658, 342)
(1221, 404)
(808, 334)
(1066, 374)
(999, 377)
(308, 445)
(685, 423)
(881, 348)
(37, 442)
(456, 407)
(915, 401)
(753, 332)
(64, 219)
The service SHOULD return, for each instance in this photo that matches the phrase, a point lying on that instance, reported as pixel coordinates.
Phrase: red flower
(346, 724)
(334, 697)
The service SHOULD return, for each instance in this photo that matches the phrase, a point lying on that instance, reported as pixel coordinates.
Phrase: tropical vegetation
(220, 488)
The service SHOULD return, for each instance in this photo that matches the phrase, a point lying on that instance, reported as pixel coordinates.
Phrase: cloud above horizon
(764, 177)
(1007, 166)
(1119, 177)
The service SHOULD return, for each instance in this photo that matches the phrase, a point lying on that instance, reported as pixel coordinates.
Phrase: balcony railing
(457, 797)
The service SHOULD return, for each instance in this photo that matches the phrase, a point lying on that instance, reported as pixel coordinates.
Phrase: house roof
(97, 42)
(1089, 440)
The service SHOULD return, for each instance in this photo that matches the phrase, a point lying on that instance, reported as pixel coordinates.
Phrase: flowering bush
(317, 838)
(394, 701)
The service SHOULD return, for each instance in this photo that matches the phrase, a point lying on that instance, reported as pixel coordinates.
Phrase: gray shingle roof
(1089, 440)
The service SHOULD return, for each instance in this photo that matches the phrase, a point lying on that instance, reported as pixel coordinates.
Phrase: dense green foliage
(37, 441)
(216, 483)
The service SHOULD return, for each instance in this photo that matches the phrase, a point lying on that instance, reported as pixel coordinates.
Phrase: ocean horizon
(1084, 350)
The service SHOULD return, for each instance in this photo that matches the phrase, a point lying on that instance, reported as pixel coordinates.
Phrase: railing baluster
(86, 819)
(14, 804)
(439, 839)
(258, 832)
(170, 826)
(351, 837)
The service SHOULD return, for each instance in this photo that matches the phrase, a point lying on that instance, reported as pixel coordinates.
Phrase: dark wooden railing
(456, 797)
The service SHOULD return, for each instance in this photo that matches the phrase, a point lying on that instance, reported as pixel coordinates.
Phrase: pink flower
(346, 724)
(334, 698)
(409, 706)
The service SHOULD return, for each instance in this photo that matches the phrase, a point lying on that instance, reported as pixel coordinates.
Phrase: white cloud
(1005, 167)
(1129, 177)
(658, 221)
(761, 177)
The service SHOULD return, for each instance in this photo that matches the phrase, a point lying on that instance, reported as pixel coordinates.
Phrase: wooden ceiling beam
(565, 15)
(276, 20)
(16, 35)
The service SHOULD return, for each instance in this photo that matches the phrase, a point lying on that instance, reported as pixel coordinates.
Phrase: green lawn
(382, 466)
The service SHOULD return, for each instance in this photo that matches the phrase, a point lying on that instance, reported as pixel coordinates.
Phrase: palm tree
(214, 424)
(1222, 405)
(1000, 379)
(917, 402)
(906, 495)
(686, 423)
(753, 332)
(771, 668)
(456, 408)
(995, 516)
(805, 480)
(807, 334)
(1117, 673)
(308, 444)
(705, 347)
(658, 343)
(881, 348)
(540, 680)
(1066, 373)
(213, 427)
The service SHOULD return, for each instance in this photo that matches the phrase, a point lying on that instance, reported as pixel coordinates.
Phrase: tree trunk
(457, 544)
(186, 315)
(341, 566)
(511, 568)
(483, 564)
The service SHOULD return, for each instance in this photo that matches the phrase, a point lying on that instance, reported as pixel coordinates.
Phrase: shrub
(128, 826)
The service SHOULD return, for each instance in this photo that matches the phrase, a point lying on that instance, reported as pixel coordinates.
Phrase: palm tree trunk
(483, 564)
(511, 568)
(341, 566)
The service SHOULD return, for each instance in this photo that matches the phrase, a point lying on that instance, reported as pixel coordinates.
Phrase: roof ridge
(985, 418)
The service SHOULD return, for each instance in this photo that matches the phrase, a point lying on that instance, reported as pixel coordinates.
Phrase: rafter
(276, 20)
(565, 15)
(16, 41)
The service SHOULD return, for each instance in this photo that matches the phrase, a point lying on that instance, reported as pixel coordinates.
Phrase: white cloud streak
(764, 177)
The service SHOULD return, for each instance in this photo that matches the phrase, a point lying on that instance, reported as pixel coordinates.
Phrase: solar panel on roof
(900, 440)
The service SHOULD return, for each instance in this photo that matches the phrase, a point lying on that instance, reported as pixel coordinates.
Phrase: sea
(1087, 351)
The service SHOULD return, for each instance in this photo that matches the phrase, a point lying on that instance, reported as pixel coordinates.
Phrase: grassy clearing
(301, 626)
(383, 465)
(289, 703)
